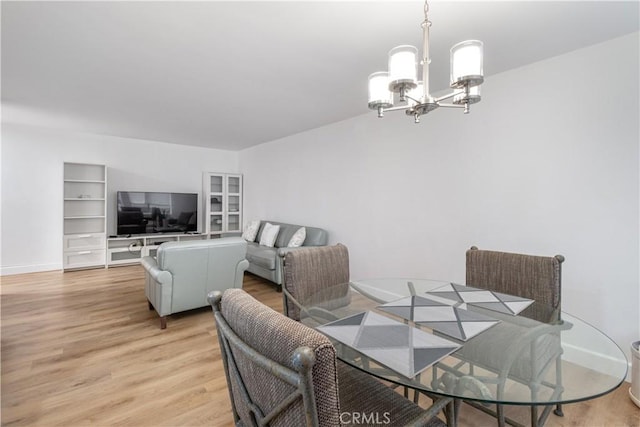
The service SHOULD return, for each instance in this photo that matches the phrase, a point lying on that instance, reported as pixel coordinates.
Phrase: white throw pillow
(251, 231)
(298, 238)
(269, 234)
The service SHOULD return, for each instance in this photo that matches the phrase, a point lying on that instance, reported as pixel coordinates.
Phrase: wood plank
(81, 348)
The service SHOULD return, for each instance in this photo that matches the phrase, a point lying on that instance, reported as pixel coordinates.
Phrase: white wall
(32, 173)
(546, 164)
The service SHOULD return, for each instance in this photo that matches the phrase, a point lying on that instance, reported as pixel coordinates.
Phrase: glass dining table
(447, 340)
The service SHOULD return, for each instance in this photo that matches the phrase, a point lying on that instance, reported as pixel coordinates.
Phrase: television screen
(147, 212)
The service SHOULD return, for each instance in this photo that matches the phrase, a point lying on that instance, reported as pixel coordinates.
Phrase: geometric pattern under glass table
(454, 321)
(399, 346)
(483, 298)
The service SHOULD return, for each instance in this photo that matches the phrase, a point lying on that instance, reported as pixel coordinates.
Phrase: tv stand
(129, 249)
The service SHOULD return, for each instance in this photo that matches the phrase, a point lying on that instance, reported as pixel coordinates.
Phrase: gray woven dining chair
(528, 276)
(316, 283)
(282, 373)
(317, 273)
(534, 277)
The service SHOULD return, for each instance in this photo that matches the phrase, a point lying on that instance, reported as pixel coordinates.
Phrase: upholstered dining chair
(319, 274)
(534, 352)
(528, 276)
(316, 283)
(282, 373)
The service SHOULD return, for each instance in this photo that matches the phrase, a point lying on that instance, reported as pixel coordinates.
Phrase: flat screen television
(151, 212)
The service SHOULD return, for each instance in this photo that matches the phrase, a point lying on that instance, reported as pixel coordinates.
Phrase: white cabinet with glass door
(223, 204)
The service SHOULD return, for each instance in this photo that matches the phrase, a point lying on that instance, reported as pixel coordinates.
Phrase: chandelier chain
(426, 14)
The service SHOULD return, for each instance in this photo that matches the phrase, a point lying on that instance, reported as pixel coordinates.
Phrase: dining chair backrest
(321, 270)
(528, 276)
(279, 372)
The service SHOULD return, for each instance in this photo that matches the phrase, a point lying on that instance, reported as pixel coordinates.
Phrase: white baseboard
(584, 358)
(22, 269)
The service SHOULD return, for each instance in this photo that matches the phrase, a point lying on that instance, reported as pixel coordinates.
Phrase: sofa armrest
(151, 266)
(240, 269)
(282, 252)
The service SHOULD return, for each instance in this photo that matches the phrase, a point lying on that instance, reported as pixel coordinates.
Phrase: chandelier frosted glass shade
(466, 64)
(403, 67)
(379, 93)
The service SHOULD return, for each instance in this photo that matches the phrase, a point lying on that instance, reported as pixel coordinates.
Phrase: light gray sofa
(267, 262)
(183, 273)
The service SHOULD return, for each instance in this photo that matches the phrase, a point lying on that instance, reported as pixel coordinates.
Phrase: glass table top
(462, 348)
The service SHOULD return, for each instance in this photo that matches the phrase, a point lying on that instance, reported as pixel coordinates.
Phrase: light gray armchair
(183, 273)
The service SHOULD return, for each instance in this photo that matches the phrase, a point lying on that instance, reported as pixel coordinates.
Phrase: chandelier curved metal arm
(401, 78)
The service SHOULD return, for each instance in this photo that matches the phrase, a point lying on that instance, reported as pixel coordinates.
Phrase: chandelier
(402, 78)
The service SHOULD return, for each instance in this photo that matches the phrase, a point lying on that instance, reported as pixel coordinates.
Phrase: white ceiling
(232, 75)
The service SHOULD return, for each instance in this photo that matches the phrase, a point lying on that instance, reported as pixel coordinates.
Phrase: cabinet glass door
(233, 222)
(216, 203)
(234, 204)
(215, 223)
(215, 184)
(233, 185)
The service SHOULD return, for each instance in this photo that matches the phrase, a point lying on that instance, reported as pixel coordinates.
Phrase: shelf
(126, 249)
(84, 225)
(147, 237)
(84, 217)
(84, 190)
(84, 172)
(133, 237)
(90, 181)
(83, 199)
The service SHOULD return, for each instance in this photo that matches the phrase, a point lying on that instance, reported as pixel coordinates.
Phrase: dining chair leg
(451, 412)
(558, 410)
(500, 415)
(416, 393)
(534, 416)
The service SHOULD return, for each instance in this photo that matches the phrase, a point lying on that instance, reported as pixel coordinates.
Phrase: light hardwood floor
(81, 348)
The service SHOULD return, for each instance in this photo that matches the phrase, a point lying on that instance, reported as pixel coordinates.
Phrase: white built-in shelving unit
(84, 215)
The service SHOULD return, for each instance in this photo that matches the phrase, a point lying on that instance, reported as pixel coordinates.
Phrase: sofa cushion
(315, 236)
(261, 256)
(251, 231)
(285, 234)
(269, 234)
(298, 238)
